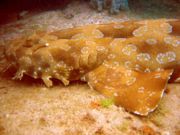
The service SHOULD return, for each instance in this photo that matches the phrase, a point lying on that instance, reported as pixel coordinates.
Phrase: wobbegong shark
(130, 62)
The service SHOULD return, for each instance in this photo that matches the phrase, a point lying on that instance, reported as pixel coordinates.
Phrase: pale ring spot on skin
(140, 31)
(85, 50)
(163, 58)
(168, 40)
(176, 43)
(116, 41)
(100, 48)
(151, 41)
(111, 56)
(166, 27)
(141, 89)
(129, 49)
(143, 57)
(97, 33)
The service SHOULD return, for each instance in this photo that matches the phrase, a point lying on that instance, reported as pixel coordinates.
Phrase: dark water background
(10, 9)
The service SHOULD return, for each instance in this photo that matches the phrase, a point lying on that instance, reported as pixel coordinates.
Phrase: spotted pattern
(166, 27)
(168, 40)
(116, 41)
(100, 48)
(85, 50)
(129, 49)
(176, 43)
(97, 33)
(163, 58)
(151, 41)
(141, 89)
(111, 56)
(140, 31)
(143, 57)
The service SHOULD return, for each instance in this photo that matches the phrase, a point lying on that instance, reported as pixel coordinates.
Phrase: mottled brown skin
(143, 53)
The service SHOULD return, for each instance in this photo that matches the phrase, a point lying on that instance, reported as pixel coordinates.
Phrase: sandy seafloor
(32, 109)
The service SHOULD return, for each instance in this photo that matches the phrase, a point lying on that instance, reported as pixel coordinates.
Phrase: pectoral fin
(137, 92)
